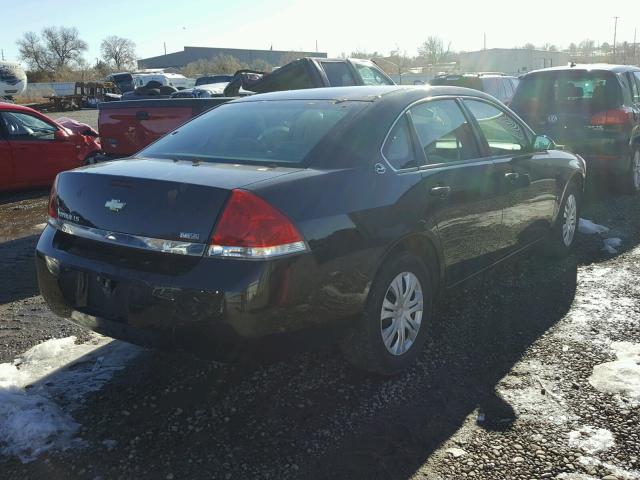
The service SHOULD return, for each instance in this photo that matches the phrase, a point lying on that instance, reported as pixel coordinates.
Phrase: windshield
(255, 132)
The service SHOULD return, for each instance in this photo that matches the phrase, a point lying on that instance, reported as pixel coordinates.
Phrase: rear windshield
(572, 92)
(273, 132)
(213, 79)
(458, 81)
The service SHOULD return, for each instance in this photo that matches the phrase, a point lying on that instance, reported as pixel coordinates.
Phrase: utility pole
(2, 51)
(316, 46)
(165, 48)
(615, 33)
(485, 42)
(635, 30)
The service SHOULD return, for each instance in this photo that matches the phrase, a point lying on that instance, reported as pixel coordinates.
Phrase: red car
(35, 148)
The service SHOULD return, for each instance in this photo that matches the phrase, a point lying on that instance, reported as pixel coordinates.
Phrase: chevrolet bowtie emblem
(115, 205)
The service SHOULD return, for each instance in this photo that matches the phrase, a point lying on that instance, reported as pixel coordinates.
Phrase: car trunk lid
(156, 199)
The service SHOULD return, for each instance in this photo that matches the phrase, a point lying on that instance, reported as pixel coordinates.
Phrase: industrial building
(512, 61)
(192, 54)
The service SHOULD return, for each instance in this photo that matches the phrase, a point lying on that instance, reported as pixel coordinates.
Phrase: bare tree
(587, 47)
(119, 52)
(56, 48)
(433, 50)
(64, 45)
(33, 51)
(529, 46)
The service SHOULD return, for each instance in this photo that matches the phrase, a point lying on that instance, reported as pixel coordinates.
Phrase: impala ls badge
(115, 205)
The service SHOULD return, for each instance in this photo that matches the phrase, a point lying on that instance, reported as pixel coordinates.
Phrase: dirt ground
(510, 386)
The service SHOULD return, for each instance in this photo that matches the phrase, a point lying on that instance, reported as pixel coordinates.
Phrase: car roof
(365, 93)
(587, 67)
(16, 108)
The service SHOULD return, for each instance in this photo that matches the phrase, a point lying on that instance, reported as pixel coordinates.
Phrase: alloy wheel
(570, 219)
(401, 314)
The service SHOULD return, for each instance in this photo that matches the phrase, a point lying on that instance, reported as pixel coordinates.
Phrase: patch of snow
(575, 476)
(587, 227)
(610, 245)
(532, 392)
(622, 474)
(614, 242)
(622, 376)
(590, 439)
(456, 452)
(40, 389)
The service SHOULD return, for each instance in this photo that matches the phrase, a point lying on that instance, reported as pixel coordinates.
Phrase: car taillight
(53, 200)
(251, 228)
(618, 116)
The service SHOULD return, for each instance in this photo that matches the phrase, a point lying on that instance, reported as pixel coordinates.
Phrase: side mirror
(542, 143)
(60, 135)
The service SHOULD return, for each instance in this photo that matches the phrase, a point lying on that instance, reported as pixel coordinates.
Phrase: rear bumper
(192, 305)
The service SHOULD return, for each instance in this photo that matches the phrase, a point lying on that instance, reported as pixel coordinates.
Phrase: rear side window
(504, 135)
(338, 74)
(443, 132)
(272, 132)
(370, 75)
(493, 86)
(398, 147)
(637, 77)
(291, 77)
(576, 92)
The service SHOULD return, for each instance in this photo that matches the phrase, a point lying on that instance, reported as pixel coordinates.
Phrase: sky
(338, 26)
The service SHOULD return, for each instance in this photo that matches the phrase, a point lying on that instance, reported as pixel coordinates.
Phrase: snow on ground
(587, 227)
(590, 439)
(39, 390)
(622, 376)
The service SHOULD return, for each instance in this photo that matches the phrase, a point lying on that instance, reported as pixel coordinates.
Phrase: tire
(562, 237)
(364, 346)
(630, 182)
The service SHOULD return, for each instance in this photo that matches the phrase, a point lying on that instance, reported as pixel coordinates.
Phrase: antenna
(615, 33)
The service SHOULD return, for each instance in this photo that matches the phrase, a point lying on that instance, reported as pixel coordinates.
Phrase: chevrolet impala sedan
(290, 210)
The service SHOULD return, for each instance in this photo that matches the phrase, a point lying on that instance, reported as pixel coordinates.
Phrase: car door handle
(512, 176)
(441, 191)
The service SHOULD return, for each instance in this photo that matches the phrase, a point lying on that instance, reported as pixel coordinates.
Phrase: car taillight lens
(618, 116)
(251, 228)
(53, 200)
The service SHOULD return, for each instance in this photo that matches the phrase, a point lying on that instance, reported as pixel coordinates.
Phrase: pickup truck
(128, 126)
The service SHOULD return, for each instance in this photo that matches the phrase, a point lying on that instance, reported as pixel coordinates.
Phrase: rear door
(37, 157)
(460, 188)
(527, 185)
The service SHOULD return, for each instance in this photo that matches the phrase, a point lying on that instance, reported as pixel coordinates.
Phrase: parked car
(289, 210)
(499, 85)
(127, 127)
(35, 148)
(594, 110)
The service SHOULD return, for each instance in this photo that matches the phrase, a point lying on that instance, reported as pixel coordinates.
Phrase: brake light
(251, 228)
(53, 200)
(618, 116)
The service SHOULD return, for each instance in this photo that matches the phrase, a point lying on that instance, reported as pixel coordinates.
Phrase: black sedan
(289, 210)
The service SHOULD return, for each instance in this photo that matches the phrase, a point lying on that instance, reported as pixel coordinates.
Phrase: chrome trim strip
(131, 241)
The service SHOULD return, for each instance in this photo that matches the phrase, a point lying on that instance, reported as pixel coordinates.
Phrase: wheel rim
(636, 170)
(401, 314)
(570, 219)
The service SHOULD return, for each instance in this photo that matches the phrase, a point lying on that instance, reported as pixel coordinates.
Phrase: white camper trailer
(13, 80)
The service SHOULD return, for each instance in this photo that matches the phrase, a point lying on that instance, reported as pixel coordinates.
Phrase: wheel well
(424, 249)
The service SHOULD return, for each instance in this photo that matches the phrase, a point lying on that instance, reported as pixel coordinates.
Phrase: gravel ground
(504, 389)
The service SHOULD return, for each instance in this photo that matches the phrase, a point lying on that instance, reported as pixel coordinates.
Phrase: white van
(13, 80)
